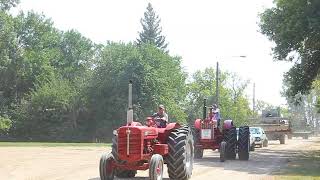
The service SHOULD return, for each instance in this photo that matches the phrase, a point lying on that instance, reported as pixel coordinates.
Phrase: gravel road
(81, 163)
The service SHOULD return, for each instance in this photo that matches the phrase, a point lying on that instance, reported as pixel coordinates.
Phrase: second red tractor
(208, 135)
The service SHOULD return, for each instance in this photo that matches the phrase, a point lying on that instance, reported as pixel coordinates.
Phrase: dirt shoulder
(68, 163)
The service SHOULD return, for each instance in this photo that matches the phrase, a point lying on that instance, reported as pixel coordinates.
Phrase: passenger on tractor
(216, 113)
(161, 117)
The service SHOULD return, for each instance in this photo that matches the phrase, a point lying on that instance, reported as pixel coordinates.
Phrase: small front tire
(106, 169)
(222, 151)
(156, 167)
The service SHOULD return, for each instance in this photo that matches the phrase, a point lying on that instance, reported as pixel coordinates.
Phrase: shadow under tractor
(141, 147)
(207, 135)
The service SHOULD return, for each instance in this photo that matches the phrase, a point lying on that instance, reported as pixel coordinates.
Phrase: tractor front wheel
(265, 143)
(198, 153)
(181, 153)
(252, 147)
(156, 167)
(282, 139)
(222, 151)
(121, 173)
(106, 169)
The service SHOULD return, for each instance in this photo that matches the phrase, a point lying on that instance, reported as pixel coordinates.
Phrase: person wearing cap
(216, 113)
(161, 117)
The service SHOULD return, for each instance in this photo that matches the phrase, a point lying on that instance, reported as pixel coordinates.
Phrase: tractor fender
(227, 124)
(197, 123)
(172, 126)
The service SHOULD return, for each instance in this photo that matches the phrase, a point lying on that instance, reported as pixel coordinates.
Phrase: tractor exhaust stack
(130, 109)
(204, 109)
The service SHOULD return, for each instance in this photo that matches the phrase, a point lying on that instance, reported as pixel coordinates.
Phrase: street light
(217, 78)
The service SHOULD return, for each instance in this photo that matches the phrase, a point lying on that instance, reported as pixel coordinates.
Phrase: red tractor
(141, 147)
(207, 135)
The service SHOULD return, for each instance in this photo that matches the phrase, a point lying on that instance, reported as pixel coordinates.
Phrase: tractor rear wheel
(244, 143)
(106, 170)
(230, 137)
(156, 167)
(121, 173)
(181, 153)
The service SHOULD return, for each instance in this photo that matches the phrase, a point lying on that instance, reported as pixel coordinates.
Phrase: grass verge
(51, 144)
(306, 166)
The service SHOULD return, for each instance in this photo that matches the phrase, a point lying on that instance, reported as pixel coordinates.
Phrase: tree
(157, 79)
(5, 124)
(151, 32)
(6, 5)
(262, 105)
(233, 103)
(49, 112)
(294, 26)
(76, 55)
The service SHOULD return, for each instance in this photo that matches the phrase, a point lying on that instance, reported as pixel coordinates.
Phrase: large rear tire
(244, 143)
(181, 153)
(105, 169)
(121, 173)
(230, 137)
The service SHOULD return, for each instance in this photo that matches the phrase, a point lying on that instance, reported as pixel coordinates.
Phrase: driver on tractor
(161, 117)
(215, 113)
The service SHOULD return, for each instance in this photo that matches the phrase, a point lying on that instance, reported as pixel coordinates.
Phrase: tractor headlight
(115, 132)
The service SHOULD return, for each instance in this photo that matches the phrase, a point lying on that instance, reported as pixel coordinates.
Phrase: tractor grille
(135, 142)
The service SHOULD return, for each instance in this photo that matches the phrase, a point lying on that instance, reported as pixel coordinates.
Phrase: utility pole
(217, 84)
(217, 80)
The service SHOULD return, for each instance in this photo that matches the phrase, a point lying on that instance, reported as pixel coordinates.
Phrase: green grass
(51, 144)
(296, 178)
(306, 166)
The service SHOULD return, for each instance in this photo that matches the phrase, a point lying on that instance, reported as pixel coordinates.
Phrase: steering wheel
(156, 122)
(160, 122)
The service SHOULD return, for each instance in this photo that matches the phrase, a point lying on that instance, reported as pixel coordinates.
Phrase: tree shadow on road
(267, 161)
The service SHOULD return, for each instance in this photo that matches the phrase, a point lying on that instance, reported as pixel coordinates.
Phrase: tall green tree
(77, 54)
(294, 26)
(45, 115)
(151, 32)
(8, 4)
(157, 79)
(233, 102)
